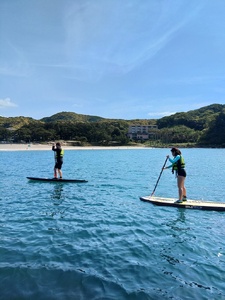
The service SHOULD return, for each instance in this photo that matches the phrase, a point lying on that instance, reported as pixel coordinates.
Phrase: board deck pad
(56, 180)
(192, 204)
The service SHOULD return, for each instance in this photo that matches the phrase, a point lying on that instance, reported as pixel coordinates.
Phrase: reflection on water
(177, 231)
(179, 221)
(58, 197)
(57, 194)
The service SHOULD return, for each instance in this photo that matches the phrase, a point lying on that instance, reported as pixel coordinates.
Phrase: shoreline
(42, 147)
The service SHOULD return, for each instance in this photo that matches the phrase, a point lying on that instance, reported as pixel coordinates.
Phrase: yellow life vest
(180, 164)
(61, 153)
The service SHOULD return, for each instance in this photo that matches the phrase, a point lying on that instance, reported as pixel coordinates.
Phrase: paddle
(159, 177)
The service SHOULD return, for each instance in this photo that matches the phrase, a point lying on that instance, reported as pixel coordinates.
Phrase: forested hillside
(204, 126)
(70, 116)
(200, 127)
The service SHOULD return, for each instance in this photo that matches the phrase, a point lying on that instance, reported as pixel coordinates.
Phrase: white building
(142, 132)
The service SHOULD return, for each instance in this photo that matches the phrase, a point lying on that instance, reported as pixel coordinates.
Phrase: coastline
(41, 147)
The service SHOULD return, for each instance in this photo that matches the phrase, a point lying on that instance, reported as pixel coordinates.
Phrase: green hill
(71, 116)
(16, 122)
(197, 119)
(204, 126)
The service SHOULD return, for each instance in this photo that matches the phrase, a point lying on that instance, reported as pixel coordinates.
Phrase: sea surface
(97, 240)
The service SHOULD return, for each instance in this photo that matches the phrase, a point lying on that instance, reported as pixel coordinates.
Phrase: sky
(120, 59)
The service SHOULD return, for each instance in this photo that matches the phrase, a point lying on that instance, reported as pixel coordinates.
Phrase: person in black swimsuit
(59, 152)
(178, 165)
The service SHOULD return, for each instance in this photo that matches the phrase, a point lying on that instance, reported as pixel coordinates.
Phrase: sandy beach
(37, 147)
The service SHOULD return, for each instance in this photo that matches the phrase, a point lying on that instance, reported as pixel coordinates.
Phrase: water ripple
(98, 240)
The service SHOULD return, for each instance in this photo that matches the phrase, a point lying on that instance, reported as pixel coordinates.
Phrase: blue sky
(123, 59)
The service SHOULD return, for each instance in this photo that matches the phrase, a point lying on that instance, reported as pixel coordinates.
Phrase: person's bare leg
(181, 187)
(184, 192)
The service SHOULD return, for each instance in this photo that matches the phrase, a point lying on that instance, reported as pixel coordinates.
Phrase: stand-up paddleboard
(56, 180)
(193, 204)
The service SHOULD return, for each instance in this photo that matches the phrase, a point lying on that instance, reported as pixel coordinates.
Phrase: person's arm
(173, 161)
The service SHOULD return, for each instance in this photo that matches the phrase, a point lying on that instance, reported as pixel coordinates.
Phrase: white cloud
(161, 114)
(6, 103)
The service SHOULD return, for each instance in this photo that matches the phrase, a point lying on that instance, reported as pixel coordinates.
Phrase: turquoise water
(97, 240)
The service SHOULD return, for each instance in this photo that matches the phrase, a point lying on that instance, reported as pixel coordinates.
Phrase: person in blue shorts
(59, 152)
(178, 166)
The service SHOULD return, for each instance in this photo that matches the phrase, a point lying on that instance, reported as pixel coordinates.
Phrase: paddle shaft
(159, 177)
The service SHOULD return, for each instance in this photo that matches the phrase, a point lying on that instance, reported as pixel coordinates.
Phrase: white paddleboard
(193, 204)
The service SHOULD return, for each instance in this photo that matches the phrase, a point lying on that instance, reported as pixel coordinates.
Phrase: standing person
(178, 165)
(59, 152)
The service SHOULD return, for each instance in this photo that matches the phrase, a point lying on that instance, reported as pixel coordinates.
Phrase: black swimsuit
(59, 159)
(182, 172)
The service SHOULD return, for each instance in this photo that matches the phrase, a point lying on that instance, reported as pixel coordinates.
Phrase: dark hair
(176, 150)
(58, 144)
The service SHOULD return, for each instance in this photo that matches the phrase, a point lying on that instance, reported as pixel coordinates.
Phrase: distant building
(142, 132)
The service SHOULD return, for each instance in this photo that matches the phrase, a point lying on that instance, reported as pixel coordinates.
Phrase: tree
(215, 134)
(5, 134)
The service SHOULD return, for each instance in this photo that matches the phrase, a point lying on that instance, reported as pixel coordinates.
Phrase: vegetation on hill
(71, 116)
(200, 127)
(198, 119)
(204, 126)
